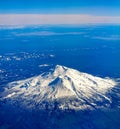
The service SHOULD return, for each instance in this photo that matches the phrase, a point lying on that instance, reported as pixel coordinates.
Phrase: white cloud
(44, 65)
(47, 33)
(107, 38)
(9, 26)
(35, 19)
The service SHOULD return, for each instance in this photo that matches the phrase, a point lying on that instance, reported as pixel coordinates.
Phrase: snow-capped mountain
(64, 87)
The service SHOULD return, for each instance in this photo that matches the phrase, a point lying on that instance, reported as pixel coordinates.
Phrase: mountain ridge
(69, 87)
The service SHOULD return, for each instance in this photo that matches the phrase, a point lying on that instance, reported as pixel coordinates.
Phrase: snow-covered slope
(68, 88)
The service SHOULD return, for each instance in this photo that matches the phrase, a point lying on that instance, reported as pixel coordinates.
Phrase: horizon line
(51, 19)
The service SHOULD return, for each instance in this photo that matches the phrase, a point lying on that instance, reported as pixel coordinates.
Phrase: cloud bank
(35, 19)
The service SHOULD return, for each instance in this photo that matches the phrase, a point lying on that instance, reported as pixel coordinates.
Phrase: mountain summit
(67, 87)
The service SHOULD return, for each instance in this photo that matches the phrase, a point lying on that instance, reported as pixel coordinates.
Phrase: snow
(10, 95)
(63, 83)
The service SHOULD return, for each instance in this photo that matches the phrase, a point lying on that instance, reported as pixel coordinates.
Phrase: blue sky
(17, 12)
(93, 7)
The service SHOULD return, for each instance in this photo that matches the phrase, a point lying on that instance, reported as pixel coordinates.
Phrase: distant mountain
(63, 88)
